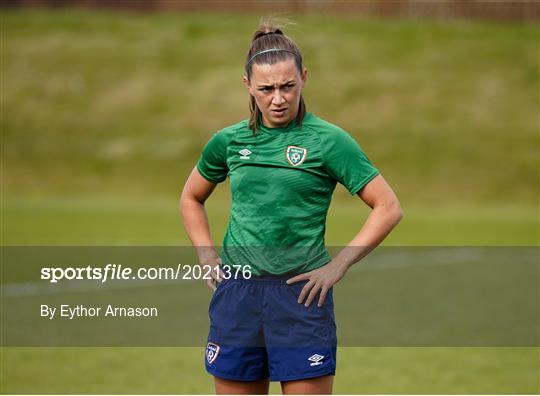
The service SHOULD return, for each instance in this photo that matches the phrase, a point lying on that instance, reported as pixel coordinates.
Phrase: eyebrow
(281, 85)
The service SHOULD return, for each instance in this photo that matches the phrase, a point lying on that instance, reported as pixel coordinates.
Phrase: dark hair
(267, 37)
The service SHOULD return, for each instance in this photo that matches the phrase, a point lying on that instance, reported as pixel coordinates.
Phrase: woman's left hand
(320, 279)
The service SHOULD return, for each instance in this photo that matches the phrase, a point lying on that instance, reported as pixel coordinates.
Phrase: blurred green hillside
(119, 104)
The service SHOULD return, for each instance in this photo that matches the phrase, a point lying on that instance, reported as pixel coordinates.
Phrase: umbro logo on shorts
(212, 352)
(316, 360)
(244, 154)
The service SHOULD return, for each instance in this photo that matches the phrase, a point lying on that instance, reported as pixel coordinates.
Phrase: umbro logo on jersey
(316, 360)
(244, 153)
(296, 155)
(212, 352)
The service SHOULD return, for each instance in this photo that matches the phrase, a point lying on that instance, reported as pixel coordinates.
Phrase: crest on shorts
(296, 155)
(212, 352)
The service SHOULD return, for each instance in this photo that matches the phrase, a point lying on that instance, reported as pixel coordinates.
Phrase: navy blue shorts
(259, 331)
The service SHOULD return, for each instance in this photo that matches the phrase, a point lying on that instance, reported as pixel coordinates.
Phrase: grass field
(104, 115)
(102, 221)
(361, 370)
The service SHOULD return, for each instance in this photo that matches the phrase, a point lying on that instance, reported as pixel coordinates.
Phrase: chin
(281, 123)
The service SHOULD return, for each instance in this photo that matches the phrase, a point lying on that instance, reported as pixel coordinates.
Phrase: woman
(283, 165)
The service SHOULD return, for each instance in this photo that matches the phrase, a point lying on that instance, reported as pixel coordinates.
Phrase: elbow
(184, 195)
(399, 214)
(392, 211)
(396, 212)
(182, 205)
(182, 200)
(186, 202)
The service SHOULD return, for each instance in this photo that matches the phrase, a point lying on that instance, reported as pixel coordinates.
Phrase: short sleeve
(346, 162)
(213, 162)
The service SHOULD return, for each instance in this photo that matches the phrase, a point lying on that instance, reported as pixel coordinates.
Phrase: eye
(265, 89)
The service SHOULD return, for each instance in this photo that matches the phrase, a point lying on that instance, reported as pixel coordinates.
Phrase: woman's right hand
(216, 275)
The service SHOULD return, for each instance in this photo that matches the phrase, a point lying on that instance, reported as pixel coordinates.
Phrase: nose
(278, 98)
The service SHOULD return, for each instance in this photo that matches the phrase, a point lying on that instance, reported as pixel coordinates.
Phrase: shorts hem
(302, 377)
(231, 377)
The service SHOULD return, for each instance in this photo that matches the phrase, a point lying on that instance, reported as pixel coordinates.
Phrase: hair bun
(262, 34)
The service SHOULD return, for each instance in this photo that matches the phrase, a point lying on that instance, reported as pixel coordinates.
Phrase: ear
(246, 83)
(303, 75)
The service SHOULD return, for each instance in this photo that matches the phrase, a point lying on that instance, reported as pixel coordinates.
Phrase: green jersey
(281, 181)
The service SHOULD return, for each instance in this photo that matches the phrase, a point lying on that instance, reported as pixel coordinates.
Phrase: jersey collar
(291, 125)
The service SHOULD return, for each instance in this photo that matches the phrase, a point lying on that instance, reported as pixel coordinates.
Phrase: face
(276, 89)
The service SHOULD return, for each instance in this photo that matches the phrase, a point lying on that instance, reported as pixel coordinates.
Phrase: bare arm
(386, 213)
(196, 191)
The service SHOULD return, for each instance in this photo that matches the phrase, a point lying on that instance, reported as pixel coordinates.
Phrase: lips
(279, 111)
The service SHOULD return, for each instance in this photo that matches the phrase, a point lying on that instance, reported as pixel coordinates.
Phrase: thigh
(228, 387)
(312, 386)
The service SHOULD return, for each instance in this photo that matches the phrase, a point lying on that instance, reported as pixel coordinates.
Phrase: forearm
(198, 228)
(381, 220)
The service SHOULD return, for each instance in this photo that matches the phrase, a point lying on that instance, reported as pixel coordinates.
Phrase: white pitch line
(25, 289)
(401, 259)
